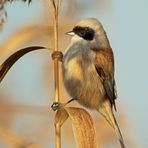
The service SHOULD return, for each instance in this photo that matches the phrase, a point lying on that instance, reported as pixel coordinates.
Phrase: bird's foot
(57, 55)
(56, 105)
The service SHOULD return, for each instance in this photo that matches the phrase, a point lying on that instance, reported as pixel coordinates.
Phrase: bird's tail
(106, 110)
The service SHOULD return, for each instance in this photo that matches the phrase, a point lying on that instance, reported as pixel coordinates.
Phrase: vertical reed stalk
(56, 69)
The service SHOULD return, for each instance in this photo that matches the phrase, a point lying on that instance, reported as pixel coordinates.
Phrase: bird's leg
(71, 100)
(57, 55)
(55, 106)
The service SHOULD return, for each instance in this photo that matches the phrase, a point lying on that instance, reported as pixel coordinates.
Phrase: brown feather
(104, 64)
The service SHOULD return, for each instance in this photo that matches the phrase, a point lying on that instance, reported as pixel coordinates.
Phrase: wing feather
(104, 64)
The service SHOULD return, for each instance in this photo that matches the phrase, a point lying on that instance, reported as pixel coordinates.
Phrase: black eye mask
(84, 32)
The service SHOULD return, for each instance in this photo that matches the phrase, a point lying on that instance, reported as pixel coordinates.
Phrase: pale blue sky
(126, 25)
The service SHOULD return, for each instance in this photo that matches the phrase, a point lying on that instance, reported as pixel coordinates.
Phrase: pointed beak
(71, 33)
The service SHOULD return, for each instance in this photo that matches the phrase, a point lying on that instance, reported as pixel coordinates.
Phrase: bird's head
(89, 32)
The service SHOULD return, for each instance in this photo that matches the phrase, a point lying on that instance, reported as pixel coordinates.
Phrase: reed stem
(56, 70)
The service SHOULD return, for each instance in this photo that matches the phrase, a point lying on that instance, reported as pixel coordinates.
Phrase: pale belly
(82, 81)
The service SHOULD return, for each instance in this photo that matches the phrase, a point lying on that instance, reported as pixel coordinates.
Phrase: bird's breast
(81, 79)
(73, 69)
(78, 64)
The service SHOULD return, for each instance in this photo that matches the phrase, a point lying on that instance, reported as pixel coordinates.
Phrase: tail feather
(106, 111)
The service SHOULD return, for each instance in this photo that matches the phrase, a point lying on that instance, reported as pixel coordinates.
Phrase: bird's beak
(71, 33)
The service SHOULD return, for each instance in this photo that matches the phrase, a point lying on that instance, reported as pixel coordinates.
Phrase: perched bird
(88, 70)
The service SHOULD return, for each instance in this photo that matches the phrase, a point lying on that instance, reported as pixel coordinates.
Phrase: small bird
(88, 70)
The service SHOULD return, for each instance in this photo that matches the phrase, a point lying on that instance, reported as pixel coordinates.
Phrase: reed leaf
(82, 124)
(4, 1)
(9, 62)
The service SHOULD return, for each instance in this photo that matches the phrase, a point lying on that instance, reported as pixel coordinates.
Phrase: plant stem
(56, 63)
(56, 70)
(58, 135)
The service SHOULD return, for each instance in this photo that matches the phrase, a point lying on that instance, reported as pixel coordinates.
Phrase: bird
(88, 70)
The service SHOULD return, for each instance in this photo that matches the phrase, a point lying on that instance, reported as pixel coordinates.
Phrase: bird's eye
(82, 33)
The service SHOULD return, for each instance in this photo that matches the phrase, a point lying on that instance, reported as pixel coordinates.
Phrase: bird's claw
(57, 55)
(55, 106)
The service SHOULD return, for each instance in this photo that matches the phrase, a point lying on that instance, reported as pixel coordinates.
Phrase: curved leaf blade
(82, 124)
(9, 62)
(4, 1)
(83, 127)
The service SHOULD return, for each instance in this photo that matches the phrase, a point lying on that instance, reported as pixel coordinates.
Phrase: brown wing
(104, 64)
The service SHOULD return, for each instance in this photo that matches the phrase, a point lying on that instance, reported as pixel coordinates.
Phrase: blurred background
(26, 93)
